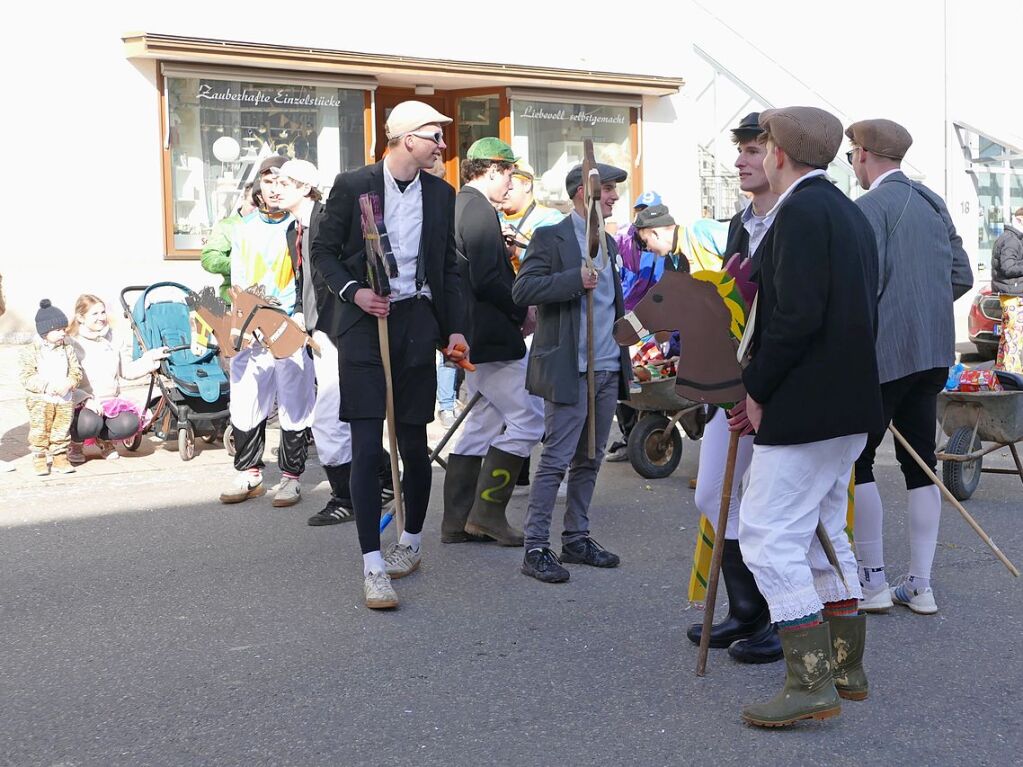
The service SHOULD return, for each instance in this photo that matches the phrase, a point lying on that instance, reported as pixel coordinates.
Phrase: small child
(49, 373)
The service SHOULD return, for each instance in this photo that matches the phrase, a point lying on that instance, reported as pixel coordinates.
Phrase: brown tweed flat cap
(806, 134)
(883, 137)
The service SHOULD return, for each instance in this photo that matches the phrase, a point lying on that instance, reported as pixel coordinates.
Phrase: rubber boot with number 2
(493, 491)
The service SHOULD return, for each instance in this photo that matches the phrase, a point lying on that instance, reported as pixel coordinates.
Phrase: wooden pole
(392, 437)
(719, 546)
(952, 499)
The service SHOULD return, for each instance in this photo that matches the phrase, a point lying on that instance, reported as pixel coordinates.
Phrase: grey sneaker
(289, 492)
(401, 560)
(242, 489)
(379, 592)
(447, 418)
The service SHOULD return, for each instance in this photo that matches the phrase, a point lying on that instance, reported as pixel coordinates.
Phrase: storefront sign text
(530, 112)
(258, 97)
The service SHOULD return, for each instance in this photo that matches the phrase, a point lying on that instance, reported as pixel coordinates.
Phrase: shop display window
(220, 130)
(550, 136)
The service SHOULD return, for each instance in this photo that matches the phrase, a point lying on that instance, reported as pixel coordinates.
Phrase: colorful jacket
(260, 256)
(216, 253)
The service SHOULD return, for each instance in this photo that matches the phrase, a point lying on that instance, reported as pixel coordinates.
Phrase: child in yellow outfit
(50, 372)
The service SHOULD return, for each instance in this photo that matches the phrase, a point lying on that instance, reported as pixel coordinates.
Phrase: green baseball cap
(491, 148)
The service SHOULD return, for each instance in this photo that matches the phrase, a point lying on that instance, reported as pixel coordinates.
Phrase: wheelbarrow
(969, 419)
(655, 445)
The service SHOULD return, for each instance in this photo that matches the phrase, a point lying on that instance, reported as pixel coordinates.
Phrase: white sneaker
(447, 418)
(243, 486)
(920, 601)
(289, 492)
(378, 591)
(617, 455)
(401, 560)
(876, 601)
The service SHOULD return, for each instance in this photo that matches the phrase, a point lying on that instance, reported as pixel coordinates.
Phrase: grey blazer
(922, 269)
(550, 279)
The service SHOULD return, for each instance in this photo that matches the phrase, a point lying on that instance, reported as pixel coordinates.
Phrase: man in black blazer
(554, 278)
(506, 423)
(747, 630)
(424, 311)
(813, 396)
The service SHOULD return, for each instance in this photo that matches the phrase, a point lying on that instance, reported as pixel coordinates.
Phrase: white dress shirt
(882, 177)
(403, 217)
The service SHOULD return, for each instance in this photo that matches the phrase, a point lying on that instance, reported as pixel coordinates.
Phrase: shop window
(478, 117)
(219, 130)
(550, 136)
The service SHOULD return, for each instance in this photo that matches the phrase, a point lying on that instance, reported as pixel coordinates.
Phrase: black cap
(655, 215)
(748, 127)
(273, 161)
(608, 174)
(49, 317)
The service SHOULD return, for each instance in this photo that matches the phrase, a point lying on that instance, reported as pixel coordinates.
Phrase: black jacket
(493, 318)
(813, 364)
(1007, 263)
(338, 251)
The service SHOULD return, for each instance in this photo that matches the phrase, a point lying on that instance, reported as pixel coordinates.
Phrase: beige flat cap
(808, 135)
(412, 115)
(883, 137)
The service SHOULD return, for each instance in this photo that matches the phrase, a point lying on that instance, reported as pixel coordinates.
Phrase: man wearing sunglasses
(424, 311)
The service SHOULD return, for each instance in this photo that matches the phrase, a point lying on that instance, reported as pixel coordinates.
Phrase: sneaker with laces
(379, 593)
(587, 551)
(876, 600)
(544, 565)
(447, 418)
(617, 453)
(243, 487)
(401, 560)
(289, 492)
(75, 455)
(334, 513)
(920, 601)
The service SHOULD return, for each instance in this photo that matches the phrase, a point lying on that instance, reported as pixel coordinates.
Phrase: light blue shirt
(756, 227)
(606, 355)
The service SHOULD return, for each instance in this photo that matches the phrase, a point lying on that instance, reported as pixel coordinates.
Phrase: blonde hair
(83, 304)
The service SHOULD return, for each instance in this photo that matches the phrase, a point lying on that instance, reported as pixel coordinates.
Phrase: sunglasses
(849, 154)
(435, 136)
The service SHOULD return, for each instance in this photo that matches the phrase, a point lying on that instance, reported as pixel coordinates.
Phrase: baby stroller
(194, 392)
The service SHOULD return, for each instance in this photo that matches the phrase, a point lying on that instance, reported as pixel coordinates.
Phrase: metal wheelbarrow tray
(970, 418)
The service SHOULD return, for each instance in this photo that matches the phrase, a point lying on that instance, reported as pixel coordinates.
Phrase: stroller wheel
(133, 444)
(186, 443)
(229, 440)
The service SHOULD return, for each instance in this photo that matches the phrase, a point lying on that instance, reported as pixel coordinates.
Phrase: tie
(299, 229)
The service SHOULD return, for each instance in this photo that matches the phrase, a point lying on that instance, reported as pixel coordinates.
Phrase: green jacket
(216, 255)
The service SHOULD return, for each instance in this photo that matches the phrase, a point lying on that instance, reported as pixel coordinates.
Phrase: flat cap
(806, 134)
(412, 115)
(654, 215)
(883, 137)
(608, 174)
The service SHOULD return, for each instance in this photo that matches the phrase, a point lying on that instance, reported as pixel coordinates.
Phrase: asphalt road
(145, 624)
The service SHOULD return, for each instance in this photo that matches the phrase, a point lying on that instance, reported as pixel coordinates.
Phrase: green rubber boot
(459, 494)
(493, 491)
(809, 691)
(848, 639)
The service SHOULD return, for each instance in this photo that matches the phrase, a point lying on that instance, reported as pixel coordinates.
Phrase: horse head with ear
(708, 310)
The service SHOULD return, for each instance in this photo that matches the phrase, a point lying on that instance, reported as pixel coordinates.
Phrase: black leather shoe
(587, 551)
(543, 565)
(762, 647)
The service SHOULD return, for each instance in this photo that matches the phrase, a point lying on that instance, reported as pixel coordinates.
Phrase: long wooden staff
(719, 546)
(376, 271)
(952, 499)
(594, 241)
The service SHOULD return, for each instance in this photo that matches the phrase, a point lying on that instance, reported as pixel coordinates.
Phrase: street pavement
(143, 623)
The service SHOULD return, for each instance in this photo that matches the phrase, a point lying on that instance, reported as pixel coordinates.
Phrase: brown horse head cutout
(708, 370)
(251, 317)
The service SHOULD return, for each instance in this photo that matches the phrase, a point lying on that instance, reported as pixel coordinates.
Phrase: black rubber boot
(748, 614)
(459, 494)
(762, 647)
(493, 491)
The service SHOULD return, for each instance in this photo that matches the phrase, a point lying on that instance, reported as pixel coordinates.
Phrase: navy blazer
(339, 249)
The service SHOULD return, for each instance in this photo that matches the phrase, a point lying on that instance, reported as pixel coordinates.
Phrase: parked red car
(985, 322)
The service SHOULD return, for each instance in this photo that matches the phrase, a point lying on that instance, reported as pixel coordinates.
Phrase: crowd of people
(851, 329)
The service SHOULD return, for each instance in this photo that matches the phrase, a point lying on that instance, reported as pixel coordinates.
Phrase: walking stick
(377, 270)
(595, 244)
(952, 499)
(719, 545)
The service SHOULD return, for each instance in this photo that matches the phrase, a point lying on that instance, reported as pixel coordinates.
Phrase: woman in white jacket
(103, 414)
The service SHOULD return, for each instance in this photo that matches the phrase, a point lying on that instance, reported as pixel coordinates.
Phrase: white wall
(86, 142)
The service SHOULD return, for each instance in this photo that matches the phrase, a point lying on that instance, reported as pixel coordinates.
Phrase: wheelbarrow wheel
(651, 455)
(962, 477)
